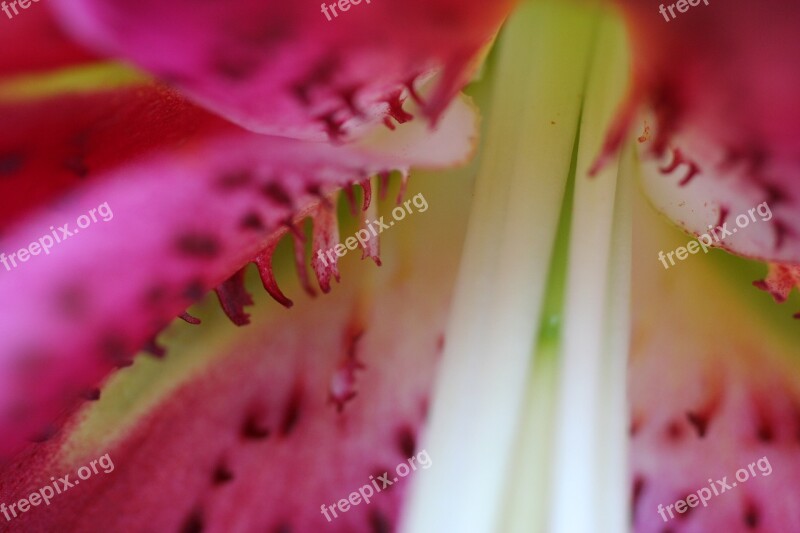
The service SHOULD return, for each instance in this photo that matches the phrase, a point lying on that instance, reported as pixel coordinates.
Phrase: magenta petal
(282, 68)
(263, 436)
(722, 83)
(50, 146)
(33, 42)
(179, 224)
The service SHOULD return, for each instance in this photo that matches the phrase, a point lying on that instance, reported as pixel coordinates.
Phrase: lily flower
(510, 315)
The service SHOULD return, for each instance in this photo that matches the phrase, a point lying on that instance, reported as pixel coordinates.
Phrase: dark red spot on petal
(91, 395)
(114, 349)
(72, 301)
(198, 246)
(765, 432)
(781, 231)
(194, 290)
(406, 441)
(252, 221)
(378, 522)
(699, 421)
(194, 522)
(275, 192)
(76, 164)
(237, 68)
(45, 434)
(674, 431)
(635, 426)
(723, 215)
(751, 516)
(291, 413)
(11, 163)
(255, 426)
(234, 180)
(639, 484)
(222, 474)
(156, 295)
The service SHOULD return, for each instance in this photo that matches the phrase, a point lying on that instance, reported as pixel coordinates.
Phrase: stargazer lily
(521, 341)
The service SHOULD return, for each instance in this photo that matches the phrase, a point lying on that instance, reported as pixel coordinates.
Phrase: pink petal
(722, 81)
(713, 389)
(300, 408)
(283, 68)
(182, 225)
(50, 146)
(33, 42)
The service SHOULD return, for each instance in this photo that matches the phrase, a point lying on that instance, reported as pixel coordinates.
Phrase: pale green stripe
(590, 414)
(478, 401)
(81, 79)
